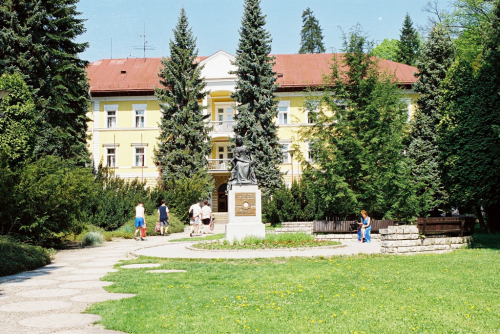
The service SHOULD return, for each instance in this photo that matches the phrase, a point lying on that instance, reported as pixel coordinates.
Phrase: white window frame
(316, 110)
(135, 109)
(225, 106)
(107, 109)
(284, 104)
(407, 100)
(134, 153)
(114, 155)
(308, 153)
(285, 152)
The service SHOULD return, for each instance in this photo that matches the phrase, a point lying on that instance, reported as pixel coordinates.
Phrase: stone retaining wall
(405, 240)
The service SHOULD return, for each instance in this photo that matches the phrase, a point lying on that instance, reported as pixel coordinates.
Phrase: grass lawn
(282, 240)
(457, 292)
(209, 237)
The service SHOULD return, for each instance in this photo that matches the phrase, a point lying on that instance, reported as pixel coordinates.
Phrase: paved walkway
(52, 299)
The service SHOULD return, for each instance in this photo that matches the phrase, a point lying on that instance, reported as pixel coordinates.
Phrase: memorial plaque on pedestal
(245, 204)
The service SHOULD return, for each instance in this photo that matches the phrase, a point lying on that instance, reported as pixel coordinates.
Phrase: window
(111, 157)
(111, 115)
(139, 114)
(312, 109)
(286, 154)
(225, 114)
(309, 153)
(283, 115)
(139, 156)
(139, 118)
(224, 152)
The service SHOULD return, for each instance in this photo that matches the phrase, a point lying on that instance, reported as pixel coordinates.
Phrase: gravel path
(52, 299)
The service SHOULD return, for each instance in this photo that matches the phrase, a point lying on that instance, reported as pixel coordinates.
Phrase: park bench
(347, 226)
(446, 225)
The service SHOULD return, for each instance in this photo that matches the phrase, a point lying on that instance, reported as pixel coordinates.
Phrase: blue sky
(215, 23)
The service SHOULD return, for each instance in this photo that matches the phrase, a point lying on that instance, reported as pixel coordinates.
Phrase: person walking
(194, 218)
(206, 216)
(163, 217)
(140, 220)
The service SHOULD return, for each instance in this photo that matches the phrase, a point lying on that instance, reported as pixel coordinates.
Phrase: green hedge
(16, 257)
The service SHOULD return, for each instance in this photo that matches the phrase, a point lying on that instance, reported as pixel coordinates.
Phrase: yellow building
(125, 113)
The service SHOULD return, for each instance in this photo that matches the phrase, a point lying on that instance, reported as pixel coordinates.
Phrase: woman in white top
(206, 215)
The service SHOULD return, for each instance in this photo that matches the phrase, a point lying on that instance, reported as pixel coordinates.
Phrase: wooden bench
(347, 226)
(446, 225)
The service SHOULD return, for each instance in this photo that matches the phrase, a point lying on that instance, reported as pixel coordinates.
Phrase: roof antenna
(144, 45)
(111, 48)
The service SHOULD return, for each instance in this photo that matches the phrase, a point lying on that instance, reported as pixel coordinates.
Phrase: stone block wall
(405, 240)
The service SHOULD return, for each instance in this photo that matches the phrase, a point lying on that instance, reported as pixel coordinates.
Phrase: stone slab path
(52, 299)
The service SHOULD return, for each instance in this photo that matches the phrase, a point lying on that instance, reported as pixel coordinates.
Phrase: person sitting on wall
(364, 232)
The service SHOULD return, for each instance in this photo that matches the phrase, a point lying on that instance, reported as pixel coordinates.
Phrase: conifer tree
(255, 95)
(437, 56)
(408, 44)
(311, 35)
(469, 134)
(17, 120)
(37, 39)
(357, 138)
(184, 143)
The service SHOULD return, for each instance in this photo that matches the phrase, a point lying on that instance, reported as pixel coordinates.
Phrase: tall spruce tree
(183, 143)
(437, 56)
(408, 44)
(311, 35)
(255, 95)
(37, 39)
(357, 138)
(469, 138)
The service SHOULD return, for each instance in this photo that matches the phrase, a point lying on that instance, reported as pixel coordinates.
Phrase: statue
(242, 172)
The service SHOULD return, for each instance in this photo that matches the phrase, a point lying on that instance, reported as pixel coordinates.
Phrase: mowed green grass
(457, 292)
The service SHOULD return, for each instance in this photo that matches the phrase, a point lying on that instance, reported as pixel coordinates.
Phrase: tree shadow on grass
(486, 241)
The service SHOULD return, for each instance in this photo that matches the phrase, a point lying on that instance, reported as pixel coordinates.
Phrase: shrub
(182, 193)
(92, 239)
(115, 200)
(297, 203)
(44, 201)
(16, 257)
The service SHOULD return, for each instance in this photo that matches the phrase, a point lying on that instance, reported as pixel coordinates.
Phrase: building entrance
(222, 204)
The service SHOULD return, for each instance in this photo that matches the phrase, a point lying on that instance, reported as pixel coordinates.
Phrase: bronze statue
(242, 172)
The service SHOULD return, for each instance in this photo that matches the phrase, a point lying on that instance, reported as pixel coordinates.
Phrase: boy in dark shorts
(163, 217)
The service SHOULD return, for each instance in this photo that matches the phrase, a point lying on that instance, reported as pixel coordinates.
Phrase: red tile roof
(295, 72)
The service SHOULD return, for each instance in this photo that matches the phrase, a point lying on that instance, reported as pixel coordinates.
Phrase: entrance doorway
(222, 198)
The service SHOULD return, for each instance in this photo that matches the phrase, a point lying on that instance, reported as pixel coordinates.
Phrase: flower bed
(278, 241)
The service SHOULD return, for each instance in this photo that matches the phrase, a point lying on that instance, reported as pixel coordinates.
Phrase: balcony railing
(219, 164)
(222, 126)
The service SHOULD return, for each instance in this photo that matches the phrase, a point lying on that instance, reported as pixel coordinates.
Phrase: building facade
(125, 114)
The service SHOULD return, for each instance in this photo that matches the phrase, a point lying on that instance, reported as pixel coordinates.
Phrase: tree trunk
(493, 212)
(479, 216)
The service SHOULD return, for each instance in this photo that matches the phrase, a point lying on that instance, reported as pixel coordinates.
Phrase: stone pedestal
(244, 213)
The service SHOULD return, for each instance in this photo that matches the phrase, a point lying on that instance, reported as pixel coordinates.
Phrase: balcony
(219, 165)
(222, 126)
